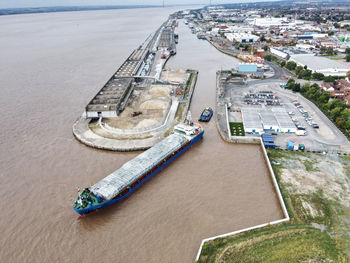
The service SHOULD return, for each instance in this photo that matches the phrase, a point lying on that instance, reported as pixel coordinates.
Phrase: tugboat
(206, 115)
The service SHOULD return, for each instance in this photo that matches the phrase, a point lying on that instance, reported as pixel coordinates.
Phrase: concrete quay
(83, 134)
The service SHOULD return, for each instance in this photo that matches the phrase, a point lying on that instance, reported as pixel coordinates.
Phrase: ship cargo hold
(134, 173)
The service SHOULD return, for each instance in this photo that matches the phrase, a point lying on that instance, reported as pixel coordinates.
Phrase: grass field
(237, 129)
(283, 243)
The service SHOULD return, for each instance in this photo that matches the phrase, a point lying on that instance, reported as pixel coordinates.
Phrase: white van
(300, 132)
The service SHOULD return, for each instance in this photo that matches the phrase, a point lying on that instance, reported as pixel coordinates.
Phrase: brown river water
(51, 65)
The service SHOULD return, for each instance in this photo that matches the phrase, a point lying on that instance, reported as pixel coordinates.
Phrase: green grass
(237, 129)
(325, 209)
(309, 166)
(336, 58)
(345, 157)
(283, 243)
(189, 82)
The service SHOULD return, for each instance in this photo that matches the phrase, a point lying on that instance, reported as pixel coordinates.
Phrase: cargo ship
(134, 173)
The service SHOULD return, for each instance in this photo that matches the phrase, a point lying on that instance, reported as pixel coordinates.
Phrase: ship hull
(92, 209)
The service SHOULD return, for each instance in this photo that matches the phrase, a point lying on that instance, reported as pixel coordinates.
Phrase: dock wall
(256, 141)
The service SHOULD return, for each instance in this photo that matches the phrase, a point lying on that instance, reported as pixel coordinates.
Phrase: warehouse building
(111, 99)
(321, 64)
(242, 37)
(247, 68)
(251, 120)
(286, 125)
(260, 120)
(269, 121)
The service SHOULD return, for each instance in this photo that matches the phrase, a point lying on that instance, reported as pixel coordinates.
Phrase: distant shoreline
(34, 10)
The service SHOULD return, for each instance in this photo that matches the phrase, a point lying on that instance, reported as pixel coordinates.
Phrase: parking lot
(313, 129)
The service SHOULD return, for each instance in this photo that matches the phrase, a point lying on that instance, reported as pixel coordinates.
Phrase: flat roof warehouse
(321, 64)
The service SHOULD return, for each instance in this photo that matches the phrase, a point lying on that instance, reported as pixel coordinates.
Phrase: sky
(41, 3)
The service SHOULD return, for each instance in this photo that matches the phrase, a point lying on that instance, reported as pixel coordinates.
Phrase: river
(51, 65)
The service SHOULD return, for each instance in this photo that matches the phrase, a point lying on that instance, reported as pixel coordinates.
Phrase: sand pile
(160, 91)
(154, 105)
(145, 123)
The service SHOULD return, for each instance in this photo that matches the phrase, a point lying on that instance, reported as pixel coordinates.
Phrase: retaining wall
(252, 140)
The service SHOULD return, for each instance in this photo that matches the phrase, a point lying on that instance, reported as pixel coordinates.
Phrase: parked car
(300, 132)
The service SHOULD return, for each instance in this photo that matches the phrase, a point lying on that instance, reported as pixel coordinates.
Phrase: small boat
(206, 115)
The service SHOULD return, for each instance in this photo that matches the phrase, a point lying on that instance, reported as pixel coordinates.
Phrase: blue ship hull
(95, 208)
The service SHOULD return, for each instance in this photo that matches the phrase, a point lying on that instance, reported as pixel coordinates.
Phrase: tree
(324, 98)
(330, 51)
(323, 50)
(296, 87)
(346, 114)
(329, 79)
(330, 33)
(291, 65)
(283, 63)
(336, 25)
(268, 57)
(340, 123)
(266, 48)
(347, 58)
(335, 113)
(305, 87)
(290, 83)
(306, 74)
(317, 76)
(298, 70)
(347, 50)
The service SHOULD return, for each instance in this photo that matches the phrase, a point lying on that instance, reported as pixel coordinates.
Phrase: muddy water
(50, 67)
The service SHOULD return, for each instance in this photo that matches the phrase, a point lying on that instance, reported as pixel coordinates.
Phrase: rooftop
(110, 96)
(318, 62)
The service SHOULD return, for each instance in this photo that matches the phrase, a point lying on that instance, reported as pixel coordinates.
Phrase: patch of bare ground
(316, 189)
(307, 174)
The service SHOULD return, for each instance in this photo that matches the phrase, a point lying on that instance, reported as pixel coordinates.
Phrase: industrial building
(112, 98)
(251, 121)
(321, 64)
(109, 101)
(287, 52)
(242, 37)
(247, 68)
(285, 123)
(167, 40)
(268, 121)
(260, 120)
